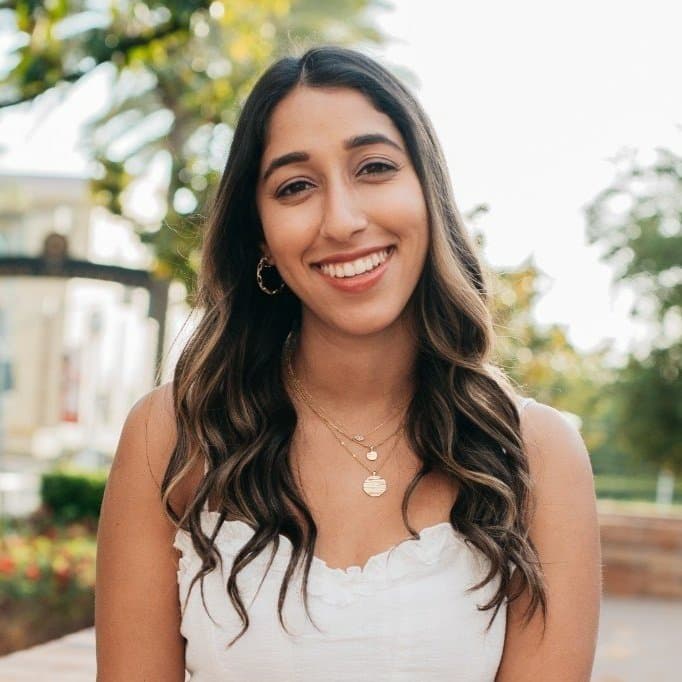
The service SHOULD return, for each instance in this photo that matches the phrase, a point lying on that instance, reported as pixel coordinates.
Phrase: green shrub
(632, 488)
(71, 495)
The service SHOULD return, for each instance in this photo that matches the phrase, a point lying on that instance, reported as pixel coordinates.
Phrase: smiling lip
(358, 283)
(352, 255)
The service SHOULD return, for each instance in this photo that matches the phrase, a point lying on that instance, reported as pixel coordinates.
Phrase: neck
(359, 379)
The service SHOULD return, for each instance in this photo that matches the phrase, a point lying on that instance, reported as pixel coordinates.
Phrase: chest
(408, 615)
(352, 525)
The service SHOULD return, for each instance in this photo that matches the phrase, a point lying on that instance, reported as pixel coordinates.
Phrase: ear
(265, 251)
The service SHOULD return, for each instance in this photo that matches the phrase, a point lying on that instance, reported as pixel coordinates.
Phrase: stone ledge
(641, 555)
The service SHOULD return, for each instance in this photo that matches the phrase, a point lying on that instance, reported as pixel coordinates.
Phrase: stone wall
(641, 555)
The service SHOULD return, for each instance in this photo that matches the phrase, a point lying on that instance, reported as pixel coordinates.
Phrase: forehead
(308, 118)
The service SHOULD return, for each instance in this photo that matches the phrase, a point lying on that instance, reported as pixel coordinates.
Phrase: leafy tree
(179, 70)
(541, 360)
(637, 220)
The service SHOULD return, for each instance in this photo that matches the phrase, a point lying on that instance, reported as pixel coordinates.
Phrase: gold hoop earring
(263, 263)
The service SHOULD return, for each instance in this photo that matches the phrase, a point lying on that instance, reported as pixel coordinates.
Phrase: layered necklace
(374, 485)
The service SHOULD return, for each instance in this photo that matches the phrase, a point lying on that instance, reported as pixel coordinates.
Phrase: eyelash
(387, 167)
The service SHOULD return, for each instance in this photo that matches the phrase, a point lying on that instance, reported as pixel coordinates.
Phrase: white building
(79, 351)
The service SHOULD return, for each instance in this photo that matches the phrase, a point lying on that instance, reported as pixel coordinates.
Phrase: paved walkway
(68, 659)
(639, 641)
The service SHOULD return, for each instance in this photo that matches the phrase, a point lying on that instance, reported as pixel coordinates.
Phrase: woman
(354, 491)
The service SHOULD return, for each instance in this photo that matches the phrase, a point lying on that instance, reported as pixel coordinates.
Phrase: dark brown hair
(234, 414)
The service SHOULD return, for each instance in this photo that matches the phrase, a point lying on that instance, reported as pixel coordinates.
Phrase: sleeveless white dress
(404, 616)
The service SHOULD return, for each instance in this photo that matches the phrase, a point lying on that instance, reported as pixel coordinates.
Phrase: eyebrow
(351, 143)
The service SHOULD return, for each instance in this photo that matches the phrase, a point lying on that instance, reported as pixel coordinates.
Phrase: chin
(366, 323)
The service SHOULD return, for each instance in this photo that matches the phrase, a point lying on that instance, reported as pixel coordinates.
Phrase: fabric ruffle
(408, 559)
(189, 558)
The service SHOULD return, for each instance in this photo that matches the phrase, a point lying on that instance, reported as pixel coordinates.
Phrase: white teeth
(356, 267)
(361, 266)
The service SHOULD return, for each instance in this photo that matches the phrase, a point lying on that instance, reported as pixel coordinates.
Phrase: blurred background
(561, 126)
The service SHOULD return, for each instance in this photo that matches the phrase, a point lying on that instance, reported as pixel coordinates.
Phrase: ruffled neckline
(406, 560)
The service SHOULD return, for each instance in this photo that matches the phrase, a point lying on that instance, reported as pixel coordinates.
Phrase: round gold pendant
(374, 485)
(358, 438)
(372, 455)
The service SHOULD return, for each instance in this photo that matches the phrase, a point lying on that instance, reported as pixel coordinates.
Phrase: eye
(292, 188)
(376, 168)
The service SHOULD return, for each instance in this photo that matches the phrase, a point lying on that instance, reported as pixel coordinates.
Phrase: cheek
(289, 234)
(284, 228)
(402, 209)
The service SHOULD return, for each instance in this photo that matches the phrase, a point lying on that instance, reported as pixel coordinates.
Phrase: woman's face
(343, 213)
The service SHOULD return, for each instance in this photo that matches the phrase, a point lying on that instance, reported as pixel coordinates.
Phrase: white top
(403, 616)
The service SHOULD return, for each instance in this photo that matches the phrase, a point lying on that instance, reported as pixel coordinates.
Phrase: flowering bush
(46, 584)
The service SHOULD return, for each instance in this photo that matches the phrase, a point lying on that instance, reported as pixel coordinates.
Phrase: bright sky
(530, 99)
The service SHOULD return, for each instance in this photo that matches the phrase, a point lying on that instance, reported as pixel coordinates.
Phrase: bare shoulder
(137, 619)
(151, 421)
(156, 410)
(554, 445)
(151, 429)
(565, 532)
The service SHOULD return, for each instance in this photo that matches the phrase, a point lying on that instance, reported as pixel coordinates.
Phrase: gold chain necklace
(374, 485)
(372, 450)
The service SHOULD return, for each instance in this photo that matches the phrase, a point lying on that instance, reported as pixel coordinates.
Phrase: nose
(343, 214)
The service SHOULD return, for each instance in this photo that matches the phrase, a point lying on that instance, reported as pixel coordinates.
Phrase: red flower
(7, 565)
(32, 572)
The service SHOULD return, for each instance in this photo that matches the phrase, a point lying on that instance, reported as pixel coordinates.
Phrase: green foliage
(71, 496)
(541, 360)
(648, 406)
(638, 221)
(179, 72)
(635, 488)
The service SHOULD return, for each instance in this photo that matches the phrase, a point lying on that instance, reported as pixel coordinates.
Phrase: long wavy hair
(235, 417)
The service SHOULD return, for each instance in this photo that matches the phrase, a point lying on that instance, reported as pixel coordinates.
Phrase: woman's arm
(137, 611)
(565, 531)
